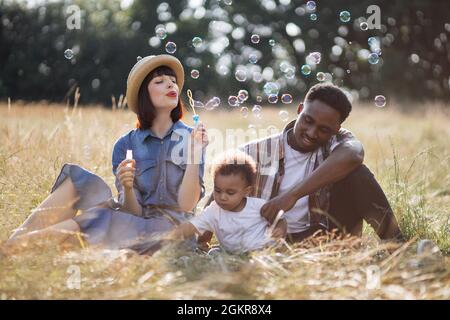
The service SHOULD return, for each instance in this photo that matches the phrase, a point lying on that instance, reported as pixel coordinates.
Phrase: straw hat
(143, 67)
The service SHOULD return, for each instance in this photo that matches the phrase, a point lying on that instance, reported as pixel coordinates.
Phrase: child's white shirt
(237, 232)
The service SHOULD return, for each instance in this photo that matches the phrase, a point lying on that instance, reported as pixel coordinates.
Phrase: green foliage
(414, 47)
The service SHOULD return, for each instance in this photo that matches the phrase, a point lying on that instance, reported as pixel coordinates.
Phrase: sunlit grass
(407, 151)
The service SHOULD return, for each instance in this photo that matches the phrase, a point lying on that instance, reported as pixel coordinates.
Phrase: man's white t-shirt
(237, 232)
(295, 171)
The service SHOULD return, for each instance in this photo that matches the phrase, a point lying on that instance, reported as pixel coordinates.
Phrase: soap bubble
(195, 74)
(197, 42)
(380, 101)
(198, 104)
(311, 5)
(284, 66)
(259, 98)
(344, 16)
(228, 2)
(244, 112)
(240, 75)
(290, 73)
(272, 98)
(313, 16)
(212, 104)
(364, 26)
(254, 38)
(314, 58)
(253, 58)
(271, 88)
(271, 130)
(171, 47)
(138, 58)
(256, 110)
(320, 76)
(68, 54)
(373, 58)
(372, 41)
(271, 42)
(306, 69)
(286, 98)
(161, 33)
(284, 115)
(242, 95)
(258, 77)
(233, 101)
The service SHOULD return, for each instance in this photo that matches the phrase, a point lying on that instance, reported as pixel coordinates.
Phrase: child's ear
(248, 191)
(300, 107)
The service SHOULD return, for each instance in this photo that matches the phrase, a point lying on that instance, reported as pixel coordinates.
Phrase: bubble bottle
(129, 157)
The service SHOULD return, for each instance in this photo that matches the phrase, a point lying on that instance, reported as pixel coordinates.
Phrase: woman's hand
(198, 142)
(125, 173)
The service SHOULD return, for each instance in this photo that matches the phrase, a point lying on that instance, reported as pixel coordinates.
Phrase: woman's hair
(146, 111)
(235, 162)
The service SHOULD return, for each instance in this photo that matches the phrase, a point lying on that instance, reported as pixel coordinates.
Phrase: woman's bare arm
(190, 188)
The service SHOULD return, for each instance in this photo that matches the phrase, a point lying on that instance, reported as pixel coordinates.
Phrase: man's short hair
(332, 96)
(235, 162)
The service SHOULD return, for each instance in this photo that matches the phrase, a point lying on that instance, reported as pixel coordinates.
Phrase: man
(313, 171)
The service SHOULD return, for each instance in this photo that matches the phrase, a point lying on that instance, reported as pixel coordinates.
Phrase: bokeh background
(412, 45)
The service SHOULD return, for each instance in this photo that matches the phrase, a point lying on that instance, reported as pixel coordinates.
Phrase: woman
(157, 189)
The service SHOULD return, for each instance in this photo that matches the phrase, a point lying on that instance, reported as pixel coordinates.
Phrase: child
(233, 216)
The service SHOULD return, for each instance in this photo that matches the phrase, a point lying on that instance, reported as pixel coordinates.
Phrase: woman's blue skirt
(102, 223)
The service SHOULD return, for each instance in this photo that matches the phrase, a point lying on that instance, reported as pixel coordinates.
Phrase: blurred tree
(412, 42)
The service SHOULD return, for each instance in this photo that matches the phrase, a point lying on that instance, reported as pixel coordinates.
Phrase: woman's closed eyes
(161, 80)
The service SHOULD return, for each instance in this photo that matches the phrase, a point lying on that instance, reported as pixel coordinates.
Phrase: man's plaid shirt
(269, 156)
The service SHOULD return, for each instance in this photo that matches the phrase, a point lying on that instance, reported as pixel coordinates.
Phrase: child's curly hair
(235, 162)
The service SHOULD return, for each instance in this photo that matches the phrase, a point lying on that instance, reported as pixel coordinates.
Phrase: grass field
(407, 151)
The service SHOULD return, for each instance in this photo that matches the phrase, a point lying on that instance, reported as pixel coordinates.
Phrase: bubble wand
(195, 116)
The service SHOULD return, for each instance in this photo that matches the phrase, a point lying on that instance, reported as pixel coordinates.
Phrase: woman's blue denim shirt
(160, 163)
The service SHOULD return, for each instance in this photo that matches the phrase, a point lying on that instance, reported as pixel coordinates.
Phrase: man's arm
(345, 158)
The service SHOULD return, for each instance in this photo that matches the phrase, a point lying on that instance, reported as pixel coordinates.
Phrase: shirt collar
(290, 125)
(144, 134)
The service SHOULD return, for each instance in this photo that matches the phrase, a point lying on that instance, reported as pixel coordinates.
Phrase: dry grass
(408, 152)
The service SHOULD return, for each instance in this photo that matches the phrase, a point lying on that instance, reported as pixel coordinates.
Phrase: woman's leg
(65, 231)
(57, 207)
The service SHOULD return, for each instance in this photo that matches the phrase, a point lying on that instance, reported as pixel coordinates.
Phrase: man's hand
(280, 229)
(281, 202)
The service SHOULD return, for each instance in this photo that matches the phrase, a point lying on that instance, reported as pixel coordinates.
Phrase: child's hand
(280, 229)
(126, 174)
(184, 231)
